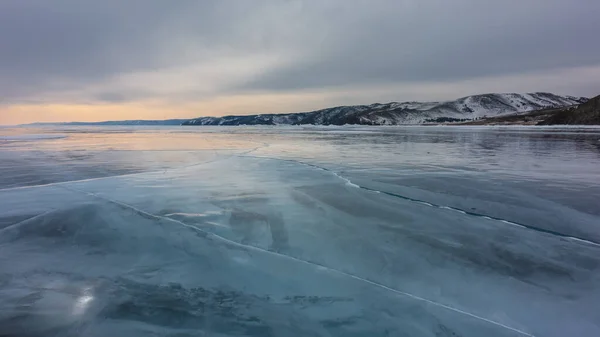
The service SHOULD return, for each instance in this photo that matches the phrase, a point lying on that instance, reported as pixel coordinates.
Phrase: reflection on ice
(32, 137)
(436, 236)
(82, 302)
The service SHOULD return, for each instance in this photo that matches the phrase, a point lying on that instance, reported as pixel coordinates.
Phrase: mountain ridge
(398, 113)
(587, 113)
(463, 109)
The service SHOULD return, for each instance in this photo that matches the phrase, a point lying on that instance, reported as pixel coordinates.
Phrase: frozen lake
(299, 231)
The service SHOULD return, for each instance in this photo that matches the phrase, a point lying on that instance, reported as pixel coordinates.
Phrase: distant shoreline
(506, 109)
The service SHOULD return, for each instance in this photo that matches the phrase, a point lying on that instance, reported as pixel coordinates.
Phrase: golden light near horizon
(213, 58)
(295, 101)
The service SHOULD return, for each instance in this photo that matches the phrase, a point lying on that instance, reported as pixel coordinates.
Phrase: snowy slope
(394, 113)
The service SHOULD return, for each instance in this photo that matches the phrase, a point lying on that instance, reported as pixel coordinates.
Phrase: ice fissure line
(541, 230)
(426, 203)
(313, 264)
(17, 224)
(60, 183)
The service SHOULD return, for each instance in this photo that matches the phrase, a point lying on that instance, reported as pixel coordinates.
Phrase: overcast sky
(113, 59)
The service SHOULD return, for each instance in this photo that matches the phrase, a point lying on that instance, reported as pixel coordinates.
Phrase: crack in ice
(313, 264)
(17, 224)
(60, 183)
(450, 208)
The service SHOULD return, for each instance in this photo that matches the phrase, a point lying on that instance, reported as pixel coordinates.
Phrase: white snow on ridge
(394, 113)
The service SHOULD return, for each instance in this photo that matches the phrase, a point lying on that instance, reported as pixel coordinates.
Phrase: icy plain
(299, 231)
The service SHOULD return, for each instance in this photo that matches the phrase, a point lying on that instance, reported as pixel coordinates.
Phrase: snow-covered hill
(394, 113)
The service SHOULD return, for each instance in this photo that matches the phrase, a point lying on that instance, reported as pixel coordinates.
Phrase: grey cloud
(63, 44)
(446, 41)
(49, 47)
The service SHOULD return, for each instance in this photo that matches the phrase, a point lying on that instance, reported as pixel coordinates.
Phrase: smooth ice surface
(299, 231)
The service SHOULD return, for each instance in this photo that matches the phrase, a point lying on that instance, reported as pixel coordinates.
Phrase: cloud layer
(189, 53)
